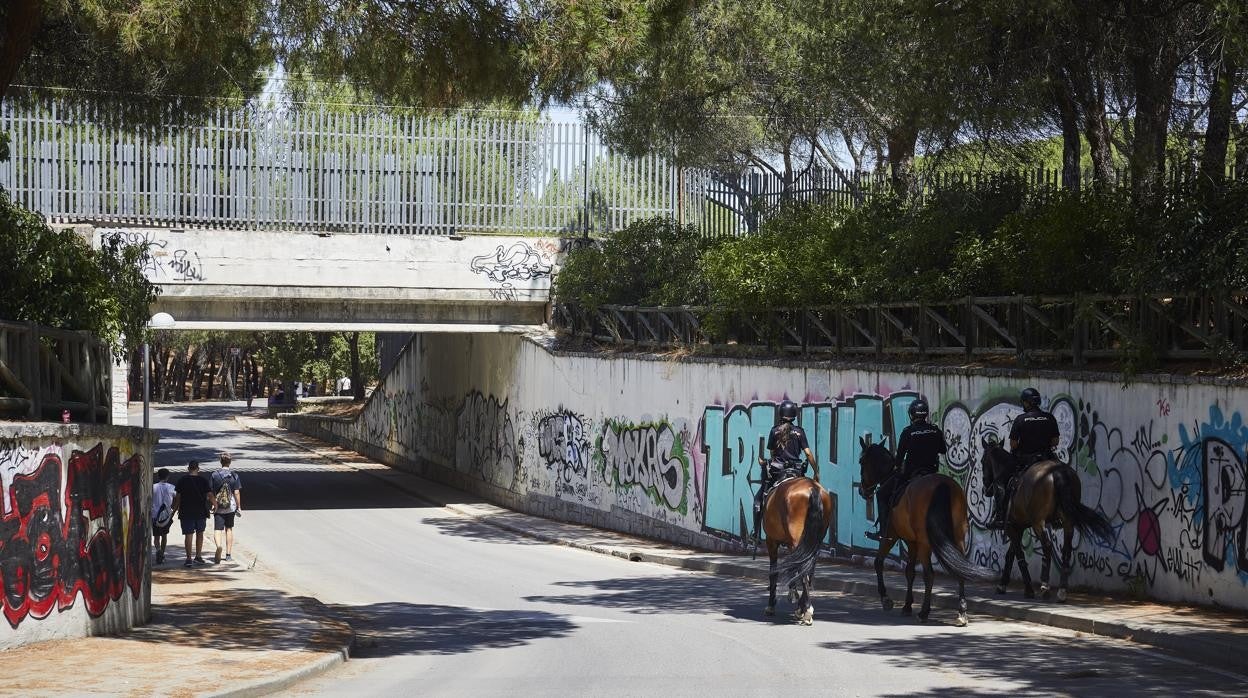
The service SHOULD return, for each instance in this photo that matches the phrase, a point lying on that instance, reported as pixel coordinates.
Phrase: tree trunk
(1072, 146)
(902, 142)
(212, 375)
(1218, 130)
(17, 35)
(1152, 64)
(357, 384)
(1240, 130)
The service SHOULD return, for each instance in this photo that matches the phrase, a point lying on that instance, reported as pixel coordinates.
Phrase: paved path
(446, 605)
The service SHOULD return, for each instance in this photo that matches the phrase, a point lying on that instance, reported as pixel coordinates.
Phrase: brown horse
(931, 517)
(1048, 492)
(796, 515)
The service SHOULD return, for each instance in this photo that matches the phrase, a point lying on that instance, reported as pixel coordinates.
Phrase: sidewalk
(1205, 636)
(208, 622)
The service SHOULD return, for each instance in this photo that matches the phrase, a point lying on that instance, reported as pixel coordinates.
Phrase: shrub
(649, 262)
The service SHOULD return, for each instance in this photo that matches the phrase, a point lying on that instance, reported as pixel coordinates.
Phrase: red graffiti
(99, 548)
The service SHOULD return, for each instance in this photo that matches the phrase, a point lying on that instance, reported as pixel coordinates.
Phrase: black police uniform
(918, 454)
(788, 456)
(1034, 430)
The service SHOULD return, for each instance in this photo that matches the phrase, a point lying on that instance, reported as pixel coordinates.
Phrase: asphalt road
(443, 605)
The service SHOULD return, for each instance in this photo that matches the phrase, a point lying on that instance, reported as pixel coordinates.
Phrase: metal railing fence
(318, 168)
(44, 371)
(1205, 326)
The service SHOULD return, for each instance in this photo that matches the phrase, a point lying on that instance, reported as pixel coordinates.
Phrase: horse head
(874, 463)
(995, 460)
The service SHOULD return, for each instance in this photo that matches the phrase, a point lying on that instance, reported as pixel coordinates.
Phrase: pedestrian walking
(191, 500)
(227, 504)
(162, 512)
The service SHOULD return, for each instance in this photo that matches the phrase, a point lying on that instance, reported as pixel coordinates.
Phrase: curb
(287, 679)
(1226, 656)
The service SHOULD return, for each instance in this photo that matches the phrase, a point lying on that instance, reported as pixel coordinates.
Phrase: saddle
(904, 482)
(779, 472)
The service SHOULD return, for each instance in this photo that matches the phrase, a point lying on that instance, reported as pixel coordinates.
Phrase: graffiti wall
(74, 531)
(669, 448)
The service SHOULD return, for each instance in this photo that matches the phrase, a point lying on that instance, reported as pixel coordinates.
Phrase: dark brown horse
(797, 515)
(1048, 492)
(931, 517)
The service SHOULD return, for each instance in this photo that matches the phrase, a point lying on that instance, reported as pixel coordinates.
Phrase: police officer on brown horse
(1033, 436)
(787, 443)
(918, 454)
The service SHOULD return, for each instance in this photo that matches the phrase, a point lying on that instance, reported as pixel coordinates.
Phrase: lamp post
(159, 321)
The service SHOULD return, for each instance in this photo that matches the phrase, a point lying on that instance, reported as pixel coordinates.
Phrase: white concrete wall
(663, 448)
(75, 504)
(501, 268)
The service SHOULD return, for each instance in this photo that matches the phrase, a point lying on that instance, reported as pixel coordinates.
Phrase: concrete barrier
(666, 448)
(75, 530)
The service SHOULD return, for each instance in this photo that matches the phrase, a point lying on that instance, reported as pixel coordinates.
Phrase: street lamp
(159, 321)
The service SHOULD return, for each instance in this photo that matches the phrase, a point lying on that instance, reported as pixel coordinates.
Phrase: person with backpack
(162, 512)
(227, 504)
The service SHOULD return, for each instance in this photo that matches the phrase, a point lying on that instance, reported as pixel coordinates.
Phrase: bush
(54, 278)
(649, 262)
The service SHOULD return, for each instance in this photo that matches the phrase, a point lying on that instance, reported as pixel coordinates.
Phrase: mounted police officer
(786, 443)
(918, 453)
(1033, 436)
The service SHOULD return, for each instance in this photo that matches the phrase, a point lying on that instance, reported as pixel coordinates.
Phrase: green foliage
(53, 277)
(649, 262)
(960, 241)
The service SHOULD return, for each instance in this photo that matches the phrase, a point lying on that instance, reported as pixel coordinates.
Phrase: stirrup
(875, 536)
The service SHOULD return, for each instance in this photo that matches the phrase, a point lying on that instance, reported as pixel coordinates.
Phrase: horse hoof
(1000, 588)
(1061, 596)
(1045, 592)
(769, 611)
(808, 619)
(907, 611)
(887, 603)
(961, 621)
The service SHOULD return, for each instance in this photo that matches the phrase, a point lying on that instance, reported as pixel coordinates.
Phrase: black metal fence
(1205, 326)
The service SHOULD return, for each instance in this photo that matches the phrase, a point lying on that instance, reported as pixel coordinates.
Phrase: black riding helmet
(788, 410)
(1030, 396)
(919, 409)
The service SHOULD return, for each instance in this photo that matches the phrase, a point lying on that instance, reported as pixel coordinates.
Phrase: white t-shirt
(162, 494)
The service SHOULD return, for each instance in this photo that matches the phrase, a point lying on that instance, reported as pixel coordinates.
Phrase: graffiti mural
(86, 537)
(734, 438)
(650, 457)
(163, 264)
(519, 261)
(485, 440)
(563, 444)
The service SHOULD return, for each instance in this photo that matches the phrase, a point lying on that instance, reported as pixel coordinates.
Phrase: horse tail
(801, 560)
(1087, 520)
(941, 534)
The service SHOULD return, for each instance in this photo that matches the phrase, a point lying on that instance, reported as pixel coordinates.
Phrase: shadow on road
(1038, 665)
(463, 527)
(392, 629)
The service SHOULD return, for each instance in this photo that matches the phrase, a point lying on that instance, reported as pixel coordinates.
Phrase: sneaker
(186, 564)
(160, 558)
(199, 560)
(229, 558)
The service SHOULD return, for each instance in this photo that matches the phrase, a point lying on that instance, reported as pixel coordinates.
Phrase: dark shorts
(194, 525)
(161, 530)
(221, 522)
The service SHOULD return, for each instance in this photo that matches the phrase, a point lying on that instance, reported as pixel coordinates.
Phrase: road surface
(443, 605)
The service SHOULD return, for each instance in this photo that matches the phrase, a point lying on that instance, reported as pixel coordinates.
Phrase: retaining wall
(664, 448)
(74, 531)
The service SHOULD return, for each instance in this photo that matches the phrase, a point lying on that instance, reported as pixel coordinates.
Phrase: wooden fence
(1071, 328)
(45, 371)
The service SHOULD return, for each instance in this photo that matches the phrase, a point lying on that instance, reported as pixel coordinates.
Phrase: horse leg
(1068, 534)
(911, 561)
(929, 576)
(1016, 538)
(962, 620)
(808, 609)
(773, 551)
(1009, 563)
(1047, 546)
(882, 553)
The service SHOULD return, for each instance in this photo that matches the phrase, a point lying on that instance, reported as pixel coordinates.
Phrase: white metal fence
(333, 170)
